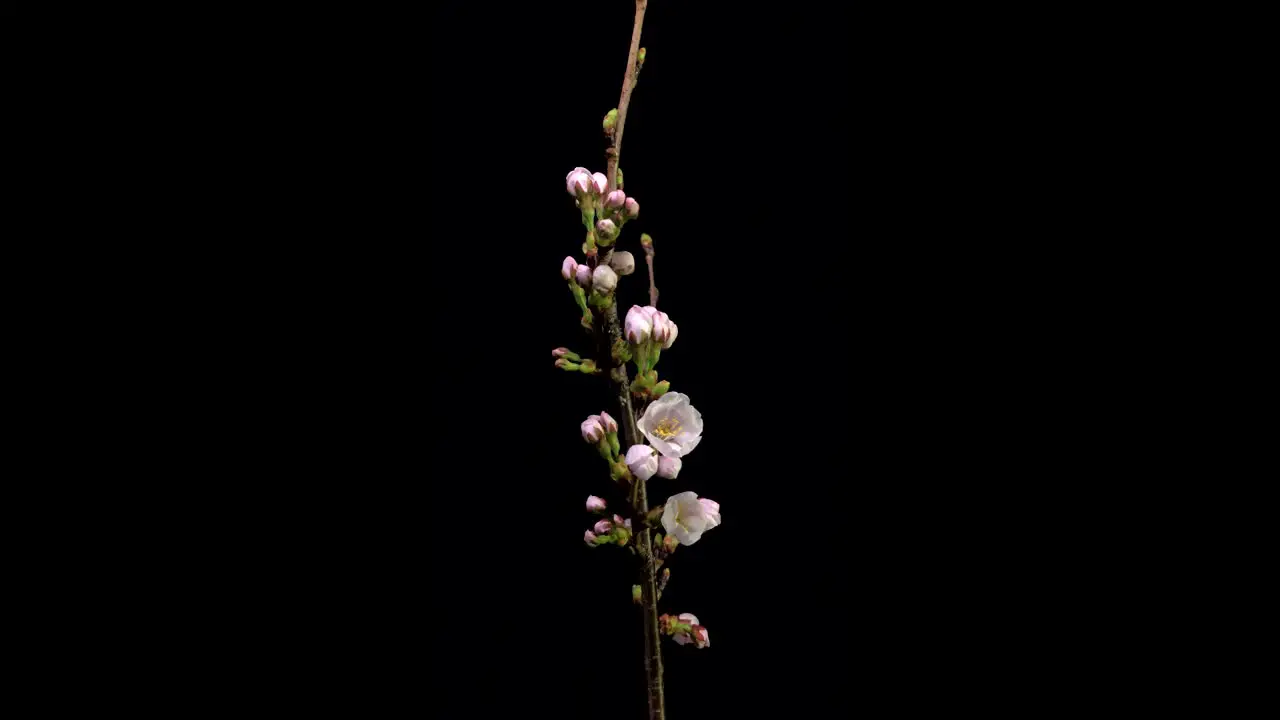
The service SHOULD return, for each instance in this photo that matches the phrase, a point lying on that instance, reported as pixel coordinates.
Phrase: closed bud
(583, 275)
(637, 326)
(578, 181)
(610, 120)
(595, 504)
(603, 527)
(623, 262)
(604, 279)
(640, 56)
(589, 538)
(599, 183)
(619, 178)
(565, 364)
(646, 240)
(632, 207)
(635, 594)
(670, 543)
(672, 331)
(642, 461)
(606, 228)
(568, 268)
(661, 324)
(615, 199)
(565, 353)
(592, 430)
(661, 389)
(610, 425)
(669, 467)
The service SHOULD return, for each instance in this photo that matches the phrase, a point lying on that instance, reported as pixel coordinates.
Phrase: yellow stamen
(667, 428)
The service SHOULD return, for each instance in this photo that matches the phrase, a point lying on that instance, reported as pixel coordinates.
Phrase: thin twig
(647, 243)
(628, 84)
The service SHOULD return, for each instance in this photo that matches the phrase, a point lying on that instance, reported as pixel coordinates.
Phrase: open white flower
(673, 426)
(685, 517)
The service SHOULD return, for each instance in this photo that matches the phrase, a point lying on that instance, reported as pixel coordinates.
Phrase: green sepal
(614, 445)
(661, 389)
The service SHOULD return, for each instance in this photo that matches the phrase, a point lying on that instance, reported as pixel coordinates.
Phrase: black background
(344, 233)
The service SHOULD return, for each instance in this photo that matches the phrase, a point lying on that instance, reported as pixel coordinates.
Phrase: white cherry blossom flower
(673, 426)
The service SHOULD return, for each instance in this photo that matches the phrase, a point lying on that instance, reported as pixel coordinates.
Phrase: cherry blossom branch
(622, 387)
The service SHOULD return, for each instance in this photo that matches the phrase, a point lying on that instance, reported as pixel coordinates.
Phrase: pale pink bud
(584, 276)
(617, 520)
(623, 262)
(604, 279)
(642, 461)
(701, 638)
(595, 504)
(592, 430)
(712, 510)
(669, 467)
(589, 538)
(606, 228)
(672, 331)
(632, 207)
(600, 182)
(568, 268)
(578, 181)
(615, 199)
(661, 325)
(559, 352)
(603, 527)
(637, 326)
(610, 425)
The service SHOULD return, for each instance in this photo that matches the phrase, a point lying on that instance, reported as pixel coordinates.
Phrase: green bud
(622, 534)
(645, 240)
(621, 351)
(588, 367)
(620, 182)
(635, 594)
(610, 120)
(567, 365)
(650, 378)
(640, 56)
(661, 389)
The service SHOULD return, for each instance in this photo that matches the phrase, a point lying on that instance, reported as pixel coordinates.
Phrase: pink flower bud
(603, 527)
(606, 228)
(712, 510)
(584, 276)
(642, 461)
(661, 325)
(672, 331)
(592, 430)
(589, 538)
(638, 326)
(701, 638)
(615, 199)
(568, 268)
(578, 181)
(623, 262)
(595, 504)
(617, 520)
(604, 279)
(600, 182)
(632, 208)
(561, 352)
(669, 467)
(610, 425)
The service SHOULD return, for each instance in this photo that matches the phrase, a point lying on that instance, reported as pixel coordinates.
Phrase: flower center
(667, 428)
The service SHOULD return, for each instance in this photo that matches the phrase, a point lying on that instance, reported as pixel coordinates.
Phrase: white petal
(688, 618)
(680, 638)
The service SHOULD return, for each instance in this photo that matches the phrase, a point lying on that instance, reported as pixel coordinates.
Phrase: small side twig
(646, 242)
